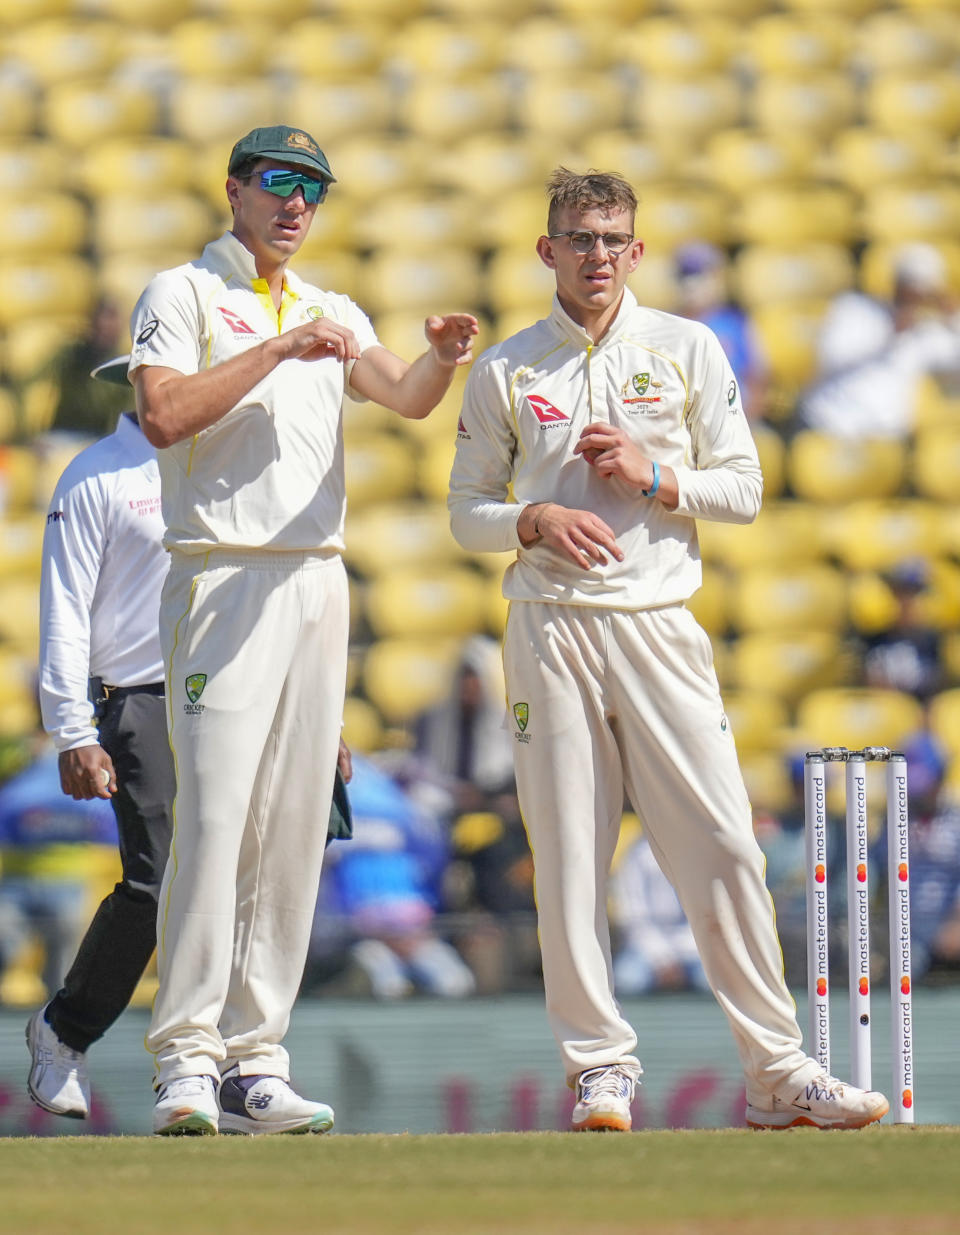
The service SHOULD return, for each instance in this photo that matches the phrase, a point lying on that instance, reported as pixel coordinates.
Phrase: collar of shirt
(230, 257)
(575, 332)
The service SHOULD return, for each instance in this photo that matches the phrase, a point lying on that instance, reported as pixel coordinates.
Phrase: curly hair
(589, 191)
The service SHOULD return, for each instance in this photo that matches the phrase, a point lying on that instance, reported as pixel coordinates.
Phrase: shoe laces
(825, 1087)
(602, 1082)
(190, 1084)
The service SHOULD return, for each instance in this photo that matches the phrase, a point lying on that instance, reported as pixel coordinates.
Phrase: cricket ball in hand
(106, 777)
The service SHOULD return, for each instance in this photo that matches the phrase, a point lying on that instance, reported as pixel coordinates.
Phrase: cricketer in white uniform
(240, 369)
(102, 570)
(590, 443)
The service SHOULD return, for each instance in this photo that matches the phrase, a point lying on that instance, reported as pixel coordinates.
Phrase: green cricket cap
(279, 141)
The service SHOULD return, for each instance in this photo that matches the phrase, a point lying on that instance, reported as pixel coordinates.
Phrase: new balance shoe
(187, 1107)
(58, 1075)
(824, 1102)
(261, 1105)
(603, 1100)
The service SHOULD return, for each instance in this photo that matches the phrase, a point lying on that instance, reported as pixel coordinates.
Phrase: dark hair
(244, 170)
(593, 189)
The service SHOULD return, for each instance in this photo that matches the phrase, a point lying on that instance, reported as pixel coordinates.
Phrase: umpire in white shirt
(102, 570)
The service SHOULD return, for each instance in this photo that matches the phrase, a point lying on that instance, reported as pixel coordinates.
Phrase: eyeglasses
(583, 241)
(282, 181)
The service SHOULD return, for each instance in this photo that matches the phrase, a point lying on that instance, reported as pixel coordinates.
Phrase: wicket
(858, 915)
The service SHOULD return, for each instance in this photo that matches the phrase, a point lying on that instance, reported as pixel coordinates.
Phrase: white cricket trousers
(603, 700)
(255, 645)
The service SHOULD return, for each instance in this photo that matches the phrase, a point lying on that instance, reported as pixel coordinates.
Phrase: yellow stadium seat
(788, 215)
(19, 620)
(673, 212)
(788, 663)
(38, 221)
(791, 43)
(898, 40)
(395, 535)
(329, 50)
(790, 596)
(434, 46)
(443, 110)
(832, 8)
(403, 677)
(757, 718)
(710, 603)
(127, 223)
(731, 9)
(54, 51)
(400, 279)
(928, 211)
(20, 540)
(770, 274)
(935, 463)
(767, 780)
(546, 41)
(738, 159)
(63, 286)
(856, 717)
(433, 466)
(491, 166)
(670, 44)
(18, 13)
(18, 483)
(864, 157)
(81, 114)
(417, 221)
(26, 167)
(772, 453)
(944, 718)
(788, 333)
(815, 105)
(333, 270)
(213, 49)
(642, 159)
(123, 276)
(654, 281)
(426, 603)
(676, 109)
(379, 467)
(826, 469)
(877, 535)
(516, 279)
(362, 725)
(783, 531)
(137, 165)
(149, 15)
(547, 104)
(202, 112)
(343, 108)
(877, 265)
(371, 165)
(910, 102)
(874, 606)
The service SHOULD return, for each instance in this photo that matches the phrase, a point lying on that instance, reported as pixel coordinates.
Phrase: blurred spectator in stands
(934, 859)
(655, 949)
(906, 654)
(381, 892)
(462, 742)
(872, 355)
(700, 272)
(51, 847)
(83, 408)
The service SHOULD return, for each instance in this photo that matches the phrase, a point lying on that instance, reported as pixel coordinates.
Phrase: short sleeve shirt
(268, 474)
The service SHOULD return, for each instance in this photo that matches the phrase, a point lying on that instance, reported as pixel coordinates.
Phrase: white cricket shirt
(666, 382)
(102, 570)
(268, 474)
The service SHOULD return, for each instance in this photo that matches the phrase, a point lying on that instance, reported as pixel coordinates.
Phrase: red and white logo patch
(236, 324)
(545, 411)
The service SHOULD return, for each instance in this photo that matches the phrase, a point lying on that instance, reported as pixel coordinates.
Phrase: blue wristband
(656, 482)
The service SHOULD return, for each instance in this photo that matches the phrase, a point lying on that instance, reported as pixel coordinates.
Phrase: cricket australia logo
(641, 382)
(521, 714)
(315, 312)
(194, 684)
(637, 401)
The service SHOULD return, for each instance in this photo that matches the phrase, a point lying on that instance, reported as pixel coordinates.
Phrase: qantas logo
(546, 413)
(462, 430)
(236, 324)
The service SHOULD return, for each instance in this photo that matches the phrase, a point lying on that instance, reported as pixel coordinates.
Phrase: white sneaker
(186, 1107)
(603, 1100)
(260, 1105)
(824, 1102)
(58, 1075)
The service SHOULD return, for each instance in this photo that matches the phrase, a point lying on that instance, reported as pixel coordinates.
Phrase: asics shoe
(58, 1075)
(824, 1102)
(187, 1107)
(603, 1100)
(260, 1105)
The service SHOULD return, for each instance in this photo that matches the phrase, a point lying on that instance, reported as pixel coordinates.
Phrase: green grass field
(882, 1180)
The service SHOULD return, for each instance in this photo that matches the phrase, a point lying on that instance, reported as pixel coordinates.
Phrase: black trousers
(123, 933)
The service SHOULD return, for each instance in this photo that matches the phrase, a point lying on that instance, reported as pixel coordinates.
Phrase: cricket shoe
(58, 1075)
(261, 1105)
(824, 1102)
(603, 1100)
(187, 1107)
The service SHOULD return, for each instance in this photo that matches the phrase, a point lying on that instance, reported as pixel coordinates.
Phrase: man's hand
(345, 762)
(82, 773)
(612, 453)
(451, 337)
(580, 535)
(319, 340)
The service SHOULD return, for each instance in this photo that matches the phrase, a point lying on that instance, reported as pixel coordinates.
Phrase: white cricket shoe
(603, 1100)
(824, 1102)
(261, 1105)
(58, 1075)
(187, 1107)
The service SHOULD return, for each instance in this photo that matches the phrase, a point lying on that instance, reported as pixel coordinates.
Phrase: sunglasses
(282, 181)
